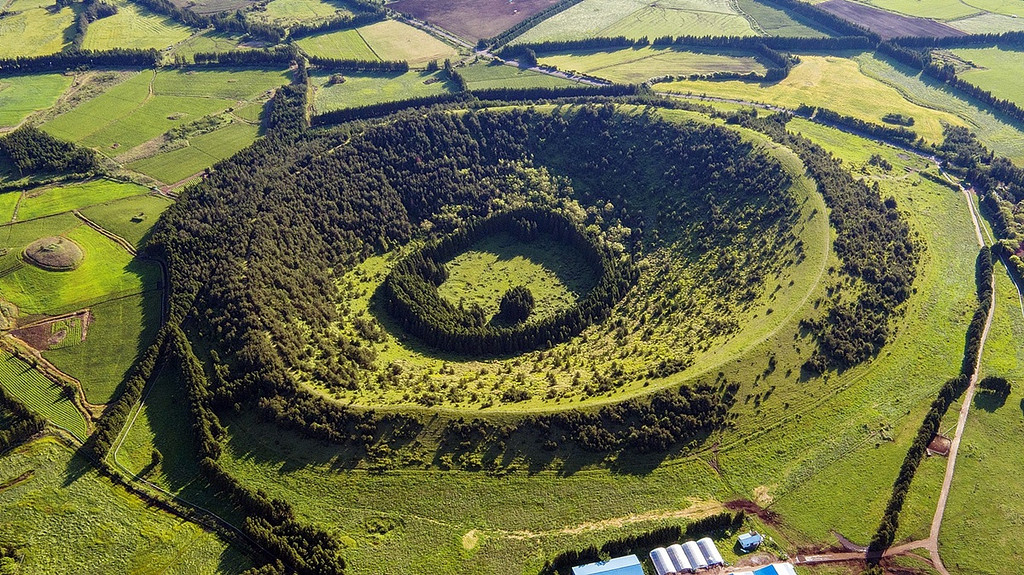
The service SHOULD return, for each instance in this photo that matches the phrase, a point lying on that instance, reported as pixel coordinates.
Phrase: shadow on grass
(990, 401)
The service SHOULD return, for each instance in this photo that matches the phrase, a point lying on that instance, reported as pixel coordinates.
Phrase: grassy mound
(54, 253)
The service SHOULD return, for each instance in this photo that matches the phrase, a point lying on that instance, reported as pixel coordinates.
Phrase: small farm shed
(626, 565)
(750, 541)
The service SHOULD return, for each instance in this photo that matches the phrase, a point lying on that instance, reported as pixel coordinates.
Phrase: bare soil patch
(471, 19)
(42, 336)
(749, 507)
(887, 24)
(54, 253)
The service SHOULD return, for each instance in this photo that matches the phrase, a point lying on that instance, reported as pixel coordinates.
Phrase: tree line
(302, 30)
(33, 151)
(411, 296)
(889, 133)
(22, 424)
(950, 391)
(79, 59)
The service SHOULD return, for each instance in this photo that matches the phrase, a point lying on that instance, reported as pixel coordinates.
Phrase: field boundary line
(361, 37)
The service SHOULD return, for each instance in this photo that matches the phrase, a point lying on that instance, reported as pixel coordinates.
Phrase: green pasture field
(8, 201)
(252, 112)
(483, 75)
(640, 18)
(202, 152)
(128, 115)
(66, 518)
(208, 41)
(344, 44)
(567, 374)
(131, 218)
(393, 40)
(637, 65)
(868, 87)
(998, 71)
(107, 270)
(775, 22)
(988, 24)
(120, 330)
(292, 11)
(933, 9)
(64, 198)
(984, 500)
(361, 89)
(555, 274)
(34, 30)
(23, 95)
(134, 27)
(40, 395)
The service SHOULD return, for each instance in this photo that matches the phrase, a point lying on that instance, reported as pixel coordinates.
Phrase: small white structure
(662, 562)
(694, 554)
(679, 560)
(710, 551)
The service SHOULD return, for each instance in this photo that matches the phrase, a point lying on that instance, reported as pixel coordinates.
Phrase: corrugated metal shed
(662, 562)
(626, 565)
(694, 554)
(679, 560)
(710, 551)
(750, 541)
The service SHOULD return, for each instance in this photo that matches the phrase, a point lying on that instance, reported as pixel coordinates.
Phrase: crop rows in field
(40, 394)
(134, 27)
(72, 330)
(33, 29)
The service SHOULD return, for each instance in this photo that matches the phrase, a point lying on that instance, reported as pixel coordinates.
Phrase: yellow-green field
(35, 30)
(23, 95)
(998, 71)
(134, 27)
(636, 65)
(362, 89)
(483, 75)
(389, 40)
(62, 198)
(41, 395)
(292, 11)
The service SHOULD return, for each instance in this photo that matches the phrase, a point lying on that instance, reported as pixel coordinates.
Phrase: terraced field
(40, 394)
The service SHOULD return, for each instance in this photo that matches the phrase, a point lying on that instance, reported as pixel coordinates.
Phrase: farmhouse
(626, 565)
(750, 541)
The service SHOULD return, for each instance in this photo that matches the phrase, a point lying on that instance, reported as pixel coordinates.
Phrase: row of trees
(33, 151)
(411, 296)
(951, 390)
(397, 67)
(563, 563)
(375, 14)
(897, 134)
(78, 59)
(875, 246)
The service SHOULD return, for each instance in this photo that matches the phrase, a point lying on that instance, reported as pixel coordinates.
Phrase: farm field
(201, 152)
(66, 197)
(128, 114)
(640, 18)
(998, 71)
(107, 270)
(119, 331)
(23, 95)
(66, 518)
(775, 22)
(34, 30)
(637, 65)
(362, 89)
(292, 11)
(131, 218)
(483, 75)
(867, 87)
(472, 20)
(208, 41)
(983, 501)
(988, 24)
(8, 202)
(134, 27)
(343, 44)
(39, 394)
(888, 24)
(392, 40)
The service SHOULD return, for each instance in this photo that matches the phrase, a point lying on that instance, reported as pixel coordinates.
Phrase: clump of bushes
(516, 305)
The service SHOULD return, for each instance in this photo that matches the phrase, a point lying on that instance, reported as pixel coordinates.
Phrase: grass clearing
(131, 218)
(637, 65)
(775, 22)
(120, 330)
(989, 24)
(483, 75)
(344, 44)
(23, 95)
(64, 198)
(201, 152)
(555, 275)
(984, 500)
(68, 519)
(941, 10)
(8, 201)
(394, 40)
(996, 70)
(40, 395)
(208, 41)
(293, 11)
(32, 29)
(134, 27)
(107, 271)
(362, 89)
(639, 18)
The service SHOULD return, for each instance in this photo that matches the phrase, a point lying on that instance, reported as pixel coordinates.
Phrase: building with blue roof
(627, 565)
(750, 541)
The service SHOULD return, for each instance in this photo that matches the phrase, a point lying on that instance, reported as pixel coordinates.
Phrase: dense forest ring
(54, 253)
(412, 298)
